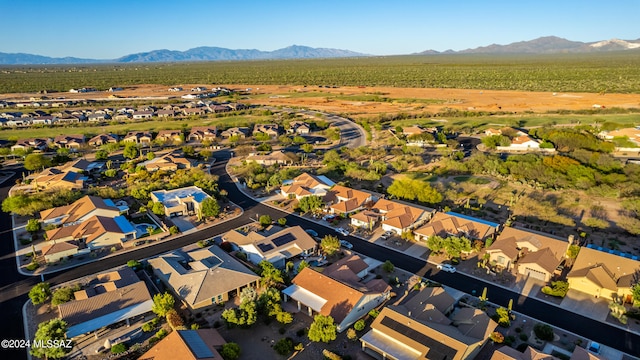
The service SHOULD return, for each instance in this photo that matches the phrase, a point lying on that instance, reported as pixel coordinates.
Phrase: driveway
(579, 302)
(182, 223)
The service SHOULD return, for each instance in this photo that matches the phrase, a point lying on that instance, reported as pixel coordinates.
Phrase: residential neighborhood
(314, 257)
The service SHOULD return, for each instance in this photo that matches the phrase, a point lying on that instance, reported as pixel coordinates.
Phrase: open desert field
(369, 101)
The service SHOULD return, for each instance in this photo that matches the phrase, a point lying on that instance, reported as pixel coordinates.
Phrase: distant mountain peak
(547, 45)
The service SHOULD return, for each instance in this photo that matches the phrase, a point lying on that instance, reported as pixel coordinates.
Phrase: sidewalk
(420, 251)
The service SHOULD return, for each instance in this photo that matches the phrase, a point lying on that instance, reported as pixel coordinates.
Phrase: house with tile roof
(103, 139)
(347, 200)
(633, 134)
(345, 302)
(453, 224)
(366, 219)
(535, 254)
(272, 130)
(276, 248)
(398, 217)
(79, 211)
(167, 162)
(273, 158)
(72, 142)
(110, 298)
(509, 353)
(203, 277)
(203, 133)
(398, 333)
(299, 127)
(304, 185)
(240, 132)
(57, 177)
(200, 344)
(58, 250)
(600, 273)
(182, 201)
(351, 268)
(95, 232)
(33, 143)
(174, 136)
(138, 137)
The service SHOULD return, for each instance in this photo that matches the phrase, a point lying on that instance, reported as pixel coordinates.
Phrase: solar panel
(283, 239)
(437, 350)
(195, 343)
(264, 247)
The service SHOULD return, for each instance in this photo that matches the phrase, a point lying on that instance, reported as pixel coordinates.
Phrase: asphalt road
(14, 287)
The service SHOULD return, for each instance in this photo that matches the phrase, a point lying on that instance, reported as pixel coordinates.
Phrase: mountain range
(543, 45)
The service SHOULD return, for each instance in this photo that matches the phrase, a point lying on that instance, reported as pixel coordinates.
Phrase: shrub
(118, 348)
(543, 332)
(301, 332)
(134, 264)
(174, 230)
(298, 347)
(330, 355)
(161, 334)
(509, 340)
(359, 325)
(284, 346)
(496, 337)
(230, 351)
(39, 293)
(374, 313)
(524, 337)
(388, 266)
(282, 331)
(557, 288)
(351, 334)
(31, 267)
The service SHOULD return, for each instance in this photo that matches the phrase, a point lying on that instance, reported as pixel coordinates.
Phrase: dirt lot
(320, 98)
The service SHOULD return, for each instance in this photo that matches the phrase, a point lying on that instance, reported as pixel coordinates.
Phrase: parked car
(311, 232)
(329, 218)
(342, 231)
(346, 244)
(386, 235)
(446, 267)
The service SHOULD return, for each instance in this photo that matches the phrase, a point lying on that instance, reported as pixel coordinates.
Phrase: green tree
(110, 173)
(310, 203)
(39, 293)
(157, 208)
(303, 264)
(102, 155)
(188, 151)
(162, 303)
(307, 148)
(36, 162)
(52, 330)
(230, 351)
(282, 221)
(330, 244)
(265, 220)
(151, 155)
(435, 243)
(359, 325)
(270, 276)
(210, 208)
(543, 332)
(284, 346)
(33, 226)
(130, 151)
(63, 295)
(572, 251)
(323, 329)
(388, 266)
(635, 292)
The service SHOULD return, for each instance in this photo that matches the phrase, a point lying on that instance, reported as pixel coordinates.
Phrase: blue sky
(101, 29)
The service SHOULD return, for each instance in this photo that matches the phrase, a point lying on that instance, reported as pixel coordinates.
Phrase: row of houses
(88, 223)
(600, 273)
(39, 117)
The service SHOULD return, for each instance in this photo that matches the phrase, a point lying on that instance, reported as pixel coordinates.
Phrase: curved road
(14, 287)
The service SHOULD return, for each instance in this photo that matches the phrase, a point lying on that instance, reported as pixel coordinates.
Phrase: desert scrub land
(596, 73)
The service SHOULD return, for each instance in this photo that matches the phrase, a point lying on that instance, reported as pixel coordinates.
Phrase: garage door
(535, 274)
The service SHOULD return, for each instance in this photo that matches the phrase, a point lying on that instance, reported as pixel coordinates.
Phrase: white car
(346, 244)
(342, 231)
(446, 267)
